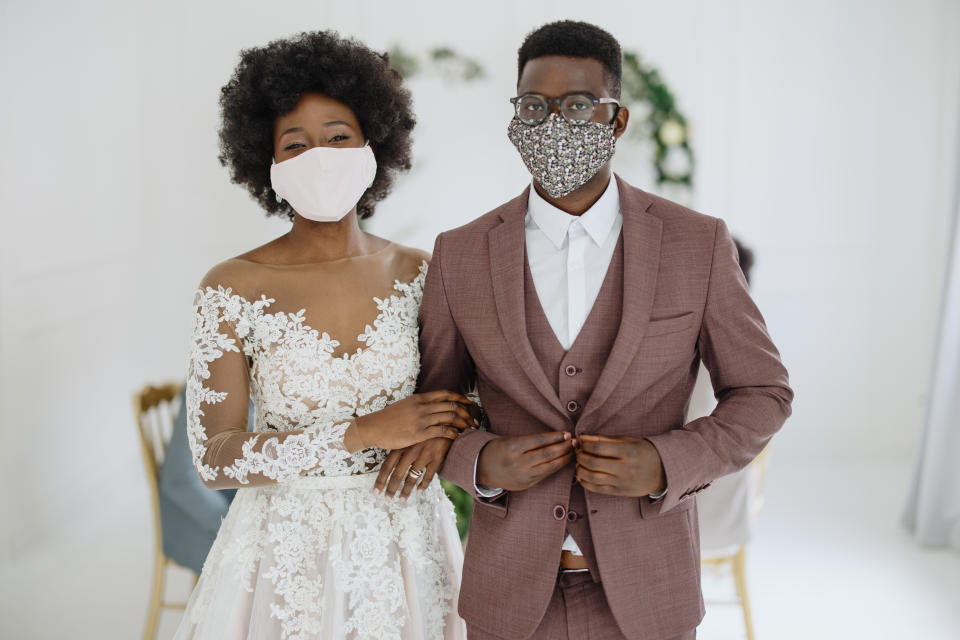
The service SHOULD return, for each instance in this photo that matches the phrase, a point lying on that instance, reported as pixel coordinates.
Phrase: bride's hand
(425, 457)
(419, 417)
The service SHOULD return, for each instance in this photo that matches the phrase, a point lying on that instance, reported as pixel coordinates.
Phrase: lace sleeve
(217, 396)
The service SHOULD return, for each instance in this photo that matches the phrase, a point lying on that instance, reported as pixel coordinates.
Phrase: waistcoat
(574, 373)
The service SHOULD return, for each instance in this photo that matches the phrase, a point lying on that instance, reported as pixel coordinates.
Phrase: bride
(319, 327)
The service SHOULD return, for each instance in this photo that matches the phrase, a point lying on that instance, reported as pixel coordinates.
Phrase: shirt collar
(597, 221)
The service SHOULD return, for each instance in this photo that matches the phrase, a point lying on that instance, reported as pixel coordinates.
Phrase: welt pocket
(669, 325)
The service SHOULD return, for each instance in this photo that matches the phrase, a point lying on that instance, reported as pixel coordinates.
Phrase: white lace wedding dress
(307, 550)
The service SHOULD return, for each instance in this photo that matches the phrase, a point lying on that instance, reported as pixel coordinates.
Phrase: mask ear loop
(273, 161)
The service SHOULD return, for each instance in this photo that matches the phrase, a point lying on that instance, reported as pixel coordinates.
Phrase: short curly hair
(269, 82)
(575, 40)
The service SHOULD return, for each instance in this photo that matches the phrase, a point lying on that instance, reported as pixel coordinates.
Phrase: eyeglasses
(576, 108)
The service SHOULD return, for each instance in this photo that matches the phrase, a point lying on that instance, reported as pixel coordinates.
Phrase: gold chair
(155, 411)
(737, 559)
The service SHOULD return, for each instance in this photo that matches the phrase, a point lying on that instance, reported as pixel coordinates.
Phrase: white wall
(824, 132)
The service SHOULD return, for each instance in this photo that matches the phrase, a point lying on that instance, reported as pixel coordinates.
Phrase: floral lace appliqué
(283, 536)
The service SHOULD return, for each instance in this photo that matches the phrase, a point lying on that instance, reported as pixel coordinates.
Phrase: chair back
(155, 409)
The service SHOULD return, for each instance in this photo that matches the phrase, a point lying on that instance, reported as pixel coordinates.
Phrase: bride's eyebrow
(291, 130)
(333, 122)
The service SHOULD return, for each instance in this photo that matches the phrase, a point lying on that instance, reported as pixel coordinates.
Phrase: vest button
(559, 512)
(570, 370)
(573, 516)
(573, 406)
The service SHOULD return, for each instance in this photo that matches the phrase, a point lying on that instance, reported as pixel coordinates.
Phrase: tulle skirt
(324, 557)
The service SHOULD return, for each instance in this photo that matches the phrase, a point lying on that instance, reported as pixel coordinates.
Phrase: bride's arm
(218, 392)
(225, 454)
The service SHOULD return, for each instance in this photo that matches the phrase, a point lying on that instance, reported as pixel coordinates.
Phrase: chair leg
(156, 597)
(740, 579)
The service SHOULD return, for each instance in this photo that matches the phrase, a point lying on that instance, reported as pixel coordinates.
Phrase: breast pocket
(666, 326)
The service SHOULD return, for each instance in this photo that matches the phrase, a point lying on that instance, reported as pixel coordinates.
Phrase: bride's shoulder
(238, 275)
(412, 254)
(409, 261)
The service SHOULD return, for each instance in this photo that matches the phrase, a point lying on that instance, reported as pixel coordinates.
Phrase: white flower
(296, 452)
(368, 548)
(303, 595)
(672, 133)
(291, 545)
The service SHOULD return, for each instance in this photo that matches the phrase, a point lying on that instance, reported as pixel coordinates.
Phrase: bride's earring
(279, 199)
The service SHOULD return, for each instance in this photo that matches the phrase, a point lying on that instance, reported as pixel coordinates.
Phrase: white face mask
(324, 183)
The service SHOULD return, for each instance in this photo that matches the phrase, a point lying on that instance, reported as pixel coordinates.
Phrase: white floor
(830, 560)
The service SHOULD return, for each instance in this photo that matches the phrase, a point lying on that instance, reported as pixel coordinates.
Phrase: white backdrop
(823, 130)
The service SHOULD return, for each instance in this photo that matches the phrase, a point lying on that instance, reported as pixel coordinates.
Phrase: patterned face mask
(561, 156)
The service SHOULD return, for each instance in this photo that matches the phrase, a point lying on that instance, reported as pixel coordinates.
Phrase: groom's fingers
(540, 440)
(585, 475)
(597, 463)
(602, 448)
(549, 453)
(550, 467)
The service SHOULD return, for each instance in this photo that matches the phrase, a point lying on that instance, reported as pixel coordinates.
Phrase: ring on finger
(415, 473)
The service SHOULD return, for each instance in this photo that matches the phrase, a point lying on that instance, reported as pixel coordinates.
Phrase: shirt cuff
(653, 496)
(483, 490)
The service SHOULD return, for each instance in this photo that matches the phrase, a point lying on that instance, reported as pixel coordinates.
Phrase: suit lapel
(507, 251)
(641, 262)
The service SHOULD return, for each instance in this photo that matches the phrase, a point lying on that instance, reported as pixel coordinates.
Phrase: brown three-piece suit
(673, 295)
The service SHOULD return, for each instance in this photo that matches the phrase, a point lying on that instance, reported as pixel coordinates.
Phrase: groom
(581, 309)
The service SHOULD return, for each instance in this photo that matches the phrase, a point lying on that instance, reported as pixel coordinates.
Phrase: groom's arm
(749, 382)
(445, 363)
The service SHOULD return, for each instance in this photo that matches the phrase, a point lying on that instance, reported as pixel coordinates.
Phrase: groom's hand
(514, 463)
(619, 466)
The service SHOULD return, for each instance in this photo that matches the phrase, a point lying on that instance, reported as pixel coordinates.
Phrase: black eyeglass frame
(559, 102)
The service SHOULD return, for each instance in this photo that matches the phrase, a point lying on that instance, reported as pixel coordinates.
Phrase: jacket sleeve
(749, 382)
(445, 363)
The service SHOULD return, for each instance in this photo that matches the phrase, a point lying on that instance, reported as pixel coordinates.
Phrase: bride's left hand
(426, 456)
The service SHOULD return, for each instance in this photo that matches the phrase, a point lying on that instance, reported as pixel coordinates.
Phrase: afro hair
(269, 82)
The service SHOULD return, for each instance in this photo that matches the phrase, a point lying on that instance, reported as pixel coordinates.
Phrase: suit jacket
(684, 299)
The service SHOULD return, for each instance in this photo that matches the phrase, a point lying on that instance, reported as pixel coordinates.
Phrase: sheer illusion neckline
(378, 252)
(401, 290)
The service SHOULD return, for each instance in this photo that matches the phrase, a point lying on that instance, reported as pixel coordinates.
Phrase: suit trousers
(577, 611)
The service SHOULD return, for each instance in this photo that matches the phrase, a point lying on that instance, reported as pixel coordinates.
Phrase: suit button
(559, 512)
(570, 370)
(573, 406)
(573, 516)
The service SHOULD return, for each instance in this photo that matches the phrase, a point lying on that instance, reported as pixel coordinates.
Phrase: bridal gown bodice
(316, 552)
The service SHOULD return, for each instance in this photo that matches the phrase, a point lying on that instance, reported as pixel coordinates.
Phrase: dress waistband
(356, 481)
